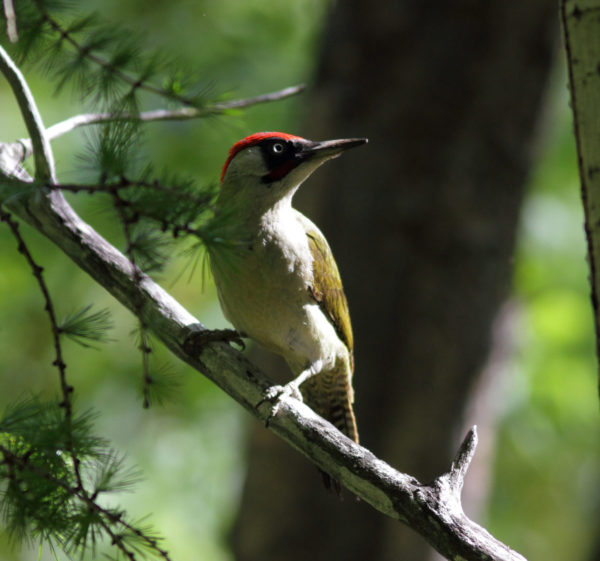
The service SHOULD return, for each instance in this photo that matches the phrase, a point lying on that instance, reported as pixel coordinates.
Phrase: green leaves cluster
(85, 326)
(110, 67)
(102, 62)
(53, 475)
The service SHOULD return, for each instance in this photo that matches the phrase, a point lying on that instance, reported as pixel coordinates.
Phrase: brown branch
(37, 271)
(65, 388)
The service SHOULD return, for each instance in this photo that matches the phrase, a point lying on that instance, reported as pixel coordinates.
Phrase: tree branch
(581, 34)
(433, 510)
(44, 160)
(11, 21)
(180, 114)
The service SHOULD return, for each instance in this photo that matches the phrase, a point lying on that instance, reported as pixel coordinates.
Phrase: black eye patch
(280, 158)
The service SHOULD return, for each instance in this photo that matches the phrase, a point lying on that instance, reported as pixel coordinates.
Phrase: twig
(44, 160)
(135, 83)
(125, 183)
(462, 461)
(180, 114)
(11, 21)
(37, 271)
(144, 345)
(106, 516)
(59, 363)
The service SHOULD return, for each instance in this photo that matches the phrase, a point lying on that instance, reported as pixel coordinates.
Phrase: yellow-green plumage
(278, 282)
(331, 394)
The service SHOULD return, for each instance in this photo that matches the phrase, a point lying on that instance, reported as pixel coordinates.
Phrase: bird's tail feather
(330, 394)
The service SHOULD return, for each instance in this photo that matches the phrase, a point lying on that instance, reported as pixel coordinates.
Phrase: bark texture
(581, 34)
(422, 223)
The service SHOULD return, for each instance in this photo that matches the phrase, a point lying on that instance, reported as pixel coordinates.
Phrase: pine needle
(83, 326)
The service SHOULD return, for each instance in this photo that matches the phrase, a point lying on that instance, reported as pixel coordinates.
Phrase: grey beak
(331, 148)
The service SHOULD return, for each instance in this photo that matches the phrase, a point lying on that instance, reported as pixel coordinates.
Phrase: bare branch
(268, 97)
(462, 461)
(180, 114)
(11, 21)
(37, 272)
(44, 160)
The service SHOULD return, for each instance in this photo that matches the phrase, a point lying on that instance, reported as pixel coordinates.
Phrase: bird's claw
(197, 340)
(275, 394)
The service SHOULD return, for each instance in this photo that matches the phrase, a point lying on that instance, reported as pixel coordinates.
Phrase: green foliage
(150, 249)
(164, 385)
(102, 62)
(111, 152)
(82, 326)
(155, 213)
(53, 471)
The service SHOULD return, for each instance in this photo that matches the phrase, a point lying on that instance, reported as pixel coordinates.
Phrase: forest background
(540, 491)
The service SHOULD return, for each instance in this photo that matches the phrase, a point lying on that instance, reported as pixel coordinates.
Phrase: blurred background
(459, 235)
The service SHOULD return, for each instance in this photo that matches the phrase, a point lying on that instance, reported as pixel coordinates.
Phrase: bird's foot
(275, 394)
(196, 341)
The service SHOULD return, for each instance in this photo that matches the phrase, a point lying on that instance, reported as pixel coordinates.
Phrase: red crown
(252, 140)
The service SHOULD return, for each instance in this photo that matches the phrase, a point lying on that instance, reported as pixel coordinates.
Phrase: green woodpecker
(280, 285)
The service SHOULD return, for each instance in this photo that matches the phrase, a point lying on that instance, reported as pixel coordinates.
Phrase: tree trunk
(581, 35)
(422, 222)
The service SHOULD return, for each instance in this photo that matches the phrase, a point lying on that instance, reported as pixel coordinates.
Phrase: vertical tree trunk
(422, 222)
(581, 34)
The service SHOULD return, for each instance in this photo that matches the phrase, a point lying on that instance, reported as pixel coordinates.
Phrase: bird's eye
(277, 148)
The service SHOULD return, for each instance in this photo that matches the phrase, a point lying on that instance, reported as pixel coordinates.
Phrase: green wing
(327, 287)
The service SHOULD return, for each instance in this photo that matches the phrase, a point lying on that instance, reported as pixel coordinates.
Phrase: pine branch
(125, 183)
(111, 521)
(110, 67)
(180, 114)
(82, 326)
(144, 346)
(37, 271)
(180, 208)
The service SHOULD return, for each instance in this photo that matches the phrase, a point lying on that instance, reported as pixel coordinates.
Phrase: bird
(278, 283)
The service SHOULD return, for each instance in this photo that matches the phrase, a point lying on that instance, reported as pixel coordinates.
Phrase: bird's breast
(263, 287)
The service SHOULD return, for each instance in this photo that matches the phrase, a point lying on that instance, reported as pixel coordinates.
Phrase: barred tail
(341, 413)
(330, 394)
